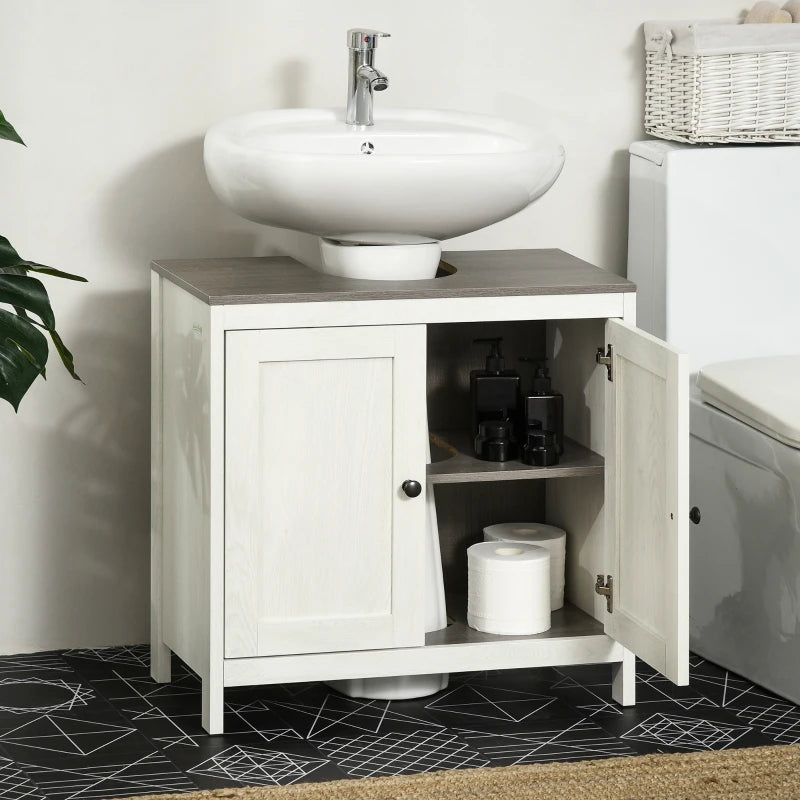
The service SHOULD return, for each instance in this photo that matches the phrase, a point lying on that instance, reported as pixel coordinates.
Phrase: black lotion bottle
(495, 398)
(543, 407)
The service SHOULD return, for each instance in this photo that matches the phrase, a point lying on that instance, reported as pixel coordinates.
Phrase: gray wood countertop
(484, 273)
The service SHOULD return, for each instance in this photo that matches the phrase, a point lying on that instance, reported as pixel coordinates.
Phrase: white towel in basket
(793, 7)
(765, 11)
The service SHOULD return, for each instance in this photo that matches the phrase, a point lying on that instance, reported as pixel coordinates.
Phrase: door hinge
(607, 360)
(606, 589)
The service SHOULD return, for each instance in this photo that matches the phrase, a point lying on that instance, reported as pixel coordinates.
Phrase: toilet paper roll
(537, 533)
(509, 588)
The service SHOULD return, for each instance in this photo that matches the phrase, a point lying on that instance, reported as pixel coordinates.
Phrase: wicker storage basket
(722, 81)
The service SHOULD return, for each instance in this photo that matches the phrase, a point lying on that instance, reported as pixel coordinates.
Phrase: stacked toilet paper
(509, 588)
(547, 536)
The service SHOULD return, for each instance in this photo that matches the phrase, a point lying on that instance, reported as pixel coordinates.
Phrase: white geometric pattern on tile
(70, 694)
(488, 702)
(15, 784)
(651, 689)
(655, 688)
(596, 703)
(44, 662)
(135, 655)
(781, 721)
(256, 767)
(127, 691)
(250, 714)
(397, 753)
(177, 735)
(150, 774)
(686, 733)
(360, 715)
(70, 735)
(577, 741)
(143, 690)
(730, 689)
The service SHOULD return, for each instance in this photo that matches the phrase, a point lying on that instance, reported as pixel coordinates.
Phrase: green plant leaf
(23, 356)
(12, 261)
(29, 293)
(26, 336)
(7, 131)
(9, 257)
(66, 357)
(32, 266)
(22, 347)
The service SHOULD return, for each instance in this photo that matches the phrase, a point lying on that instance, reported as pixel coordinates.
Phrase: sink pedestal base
(381, 262)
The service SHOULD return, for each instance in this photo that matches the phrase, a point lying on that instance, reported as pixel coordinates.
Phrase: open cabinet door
(647, 498)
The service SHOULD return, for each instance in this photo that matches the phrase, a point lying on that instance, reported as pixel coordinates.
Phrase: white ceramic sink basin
(412, 179)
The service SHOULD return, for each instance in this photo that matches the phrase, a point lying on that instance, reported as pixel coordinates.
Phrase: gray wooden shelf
(568, 621)
(462, 467)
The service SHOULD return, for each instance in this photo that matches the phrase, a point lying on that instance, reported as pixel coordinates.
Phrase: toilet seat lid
(764, 393)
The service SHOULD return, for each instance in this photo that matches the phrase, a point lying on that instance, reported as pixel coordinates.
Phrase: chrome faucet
(362, 77)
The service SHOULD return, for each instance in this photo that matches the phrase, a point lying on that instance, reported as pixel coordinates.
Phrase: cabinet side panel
(577, 504)
(186, 478)
(571, 345)
(160, 656)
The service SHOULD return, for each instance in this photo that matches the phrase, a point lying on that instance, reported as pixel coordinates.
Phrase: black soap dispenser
(495, 397)
(542, 411)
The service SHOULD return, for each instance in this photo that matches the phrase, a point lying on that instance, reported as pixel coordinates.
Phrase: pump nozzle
(541, 375)
(494, 361)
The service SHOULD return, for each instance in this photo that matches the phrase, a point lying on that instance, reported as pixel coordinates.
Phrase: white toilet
(715, 253)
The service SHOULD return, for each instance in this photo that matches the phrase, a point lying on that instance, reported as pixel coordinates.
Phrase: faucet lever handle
(364, 38)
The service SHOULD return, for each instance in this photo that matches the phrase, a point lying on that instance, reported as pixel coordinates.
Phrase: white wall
(113, 99)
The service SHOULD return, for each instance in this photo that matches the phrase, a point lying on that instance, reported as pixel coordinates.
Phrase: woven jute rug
(759, 772)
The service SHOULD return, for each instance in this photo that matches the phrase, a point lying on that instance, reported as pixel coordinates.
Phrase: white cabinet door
(323, 548)
(647, 498)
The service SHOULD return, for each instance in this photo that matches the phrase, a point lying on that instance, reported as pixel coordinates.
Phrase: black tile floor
(92, 724)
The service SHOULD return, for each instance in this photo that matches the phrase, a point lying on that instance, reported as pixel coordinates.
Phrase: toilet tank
(714, 247)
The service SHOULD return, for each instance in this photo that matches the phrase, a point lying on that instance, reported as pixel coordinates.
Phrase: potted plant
(25, 313)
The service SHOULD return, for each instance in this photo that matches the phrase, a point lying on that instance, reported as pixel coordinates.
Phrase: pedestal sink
(382, 197)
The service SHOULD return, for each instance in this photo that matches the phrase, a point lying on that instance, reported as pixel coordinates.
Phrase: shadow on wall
(95, 570)
(613, 212)
(294, 78)
(165, 208)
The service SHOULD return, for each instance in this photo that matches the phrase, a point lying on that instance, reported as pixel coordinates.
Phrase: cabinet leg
(623, 680)
(160, 662)
(213, 706)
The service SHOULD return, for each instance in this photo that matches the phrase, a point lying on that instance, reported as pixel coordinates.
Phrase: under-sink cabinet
(292, 414)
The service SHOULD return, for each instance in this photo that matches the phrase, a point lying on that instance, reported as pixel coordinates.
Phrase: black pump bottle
(495, 398)
(542, 407)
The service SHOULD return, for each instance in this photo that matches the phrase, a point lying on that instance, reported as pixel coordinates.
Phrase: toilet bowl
(745, 551)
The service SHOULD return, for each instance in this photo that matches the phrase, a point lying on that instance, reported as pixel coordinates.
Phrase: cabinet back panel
(465, 509)
(452, 355)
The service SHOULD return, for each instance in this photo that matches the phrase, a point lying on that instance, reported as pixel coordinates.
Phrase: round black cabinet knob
(694, 515)
(412, 488)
